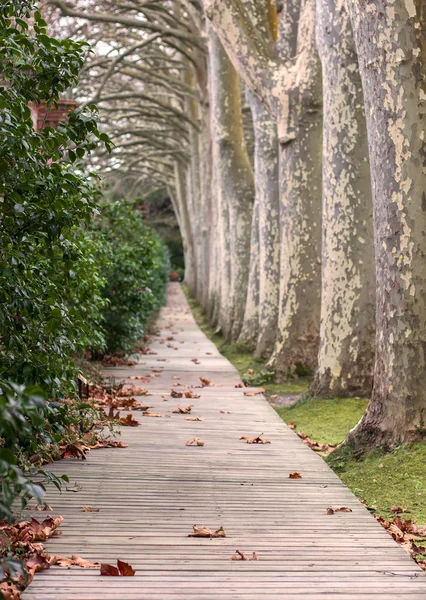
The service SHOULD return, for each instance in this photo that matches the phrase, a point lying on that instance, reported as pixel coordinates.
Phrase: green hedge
(136, 274)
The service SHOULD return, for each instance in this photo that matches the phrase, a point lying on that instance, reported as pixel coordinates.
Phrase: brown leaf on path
(295, 476)
(152, 414)
(176, 394)
(9, 591)
(238, 556)
(291, 425)
(90, 509)
(132, 390)
(331, 511)
(37, 563)
(239, 385)
(195, 441)
(44, 507)
(74, 450)
(129, 421)
(194, 419)
(139, 378)
(254, 440)
(241, 556)
(108, 444)
(205, 382)
(109, 570)
(125, 569)
(397, 509)
(175, 377)
(207, 532)
(251, 393)
(183, 410)
(64, 561)
(195, 361)
(190, 394)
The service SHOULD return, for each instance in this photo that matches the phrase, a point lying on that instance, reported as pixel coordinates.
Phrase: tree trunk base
(324, 386)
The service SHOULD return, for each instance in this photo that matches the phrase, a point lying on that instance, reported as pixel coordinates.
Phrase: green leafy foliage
(136, 274)
(50, 288)
(26, 420)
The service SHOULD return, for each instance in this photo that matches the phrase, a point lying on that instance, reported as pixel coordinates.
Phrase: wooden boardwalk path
(152, 493)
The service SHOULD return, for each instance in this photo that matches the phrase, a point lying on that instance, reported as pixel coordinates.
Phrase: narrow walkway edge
(152, 493)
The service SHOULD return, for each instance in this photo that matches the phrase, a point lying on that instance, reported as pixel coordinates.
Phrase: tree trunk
(250, 328)
(267, 197)
(234, 188)
(391, 44)
(300, 137)
(181, 202)
(346, 355)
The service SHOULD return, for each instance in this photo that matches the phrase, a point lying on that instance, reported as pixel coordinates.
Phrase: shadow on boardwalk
(152, 493)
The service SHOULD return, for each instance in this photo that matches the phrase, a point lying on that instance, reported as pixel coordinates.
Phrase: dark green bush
(49, 283)
(136, 274)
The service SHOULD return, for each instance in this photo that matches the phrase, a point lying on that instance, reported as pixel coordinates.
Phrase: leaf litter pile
(25, 539)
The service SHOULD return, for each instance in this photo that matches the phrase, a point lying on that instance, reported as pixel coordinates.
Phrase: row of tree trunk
(312, 251)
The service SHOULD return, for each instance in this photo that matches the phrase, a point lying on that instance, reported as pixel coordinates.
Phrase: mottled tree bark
(390, 39)
(234, 188)
(263, 290)
(250, 327)
(267, 197)
(300, 137)
(291, 88)
(346, 355)
(184, 220)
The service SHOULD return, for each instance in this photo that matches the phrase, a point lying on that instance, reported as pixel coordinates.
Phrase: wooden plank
(151, 493)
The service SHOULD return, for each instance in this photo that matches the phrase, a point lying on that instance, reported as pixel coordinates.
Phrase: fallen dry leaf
(195, 441)
(125, 569)
(90, 509)
(129, 421)
(205, 382)
(176, 394)
(195, 361)
(152, 414)
(316, 446)
(175, 377)
(239, 385)
(291, 425)
(397, 509)
(241, 556)
(109, 570)
(190, 394)
(295, 476)
(122, 568)
(183, 410)
(44, 507)
(64, 561)
(139, 378)
(251, 393)
(331, 511)
(108, 444)
(74, 450)
(9, 591)
(255, 440)
(194, 419)
(207, 532)
(133, 391)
